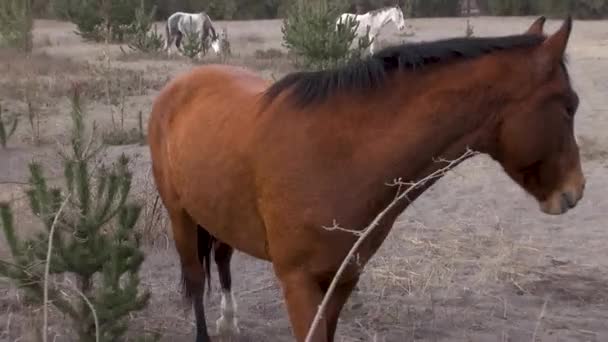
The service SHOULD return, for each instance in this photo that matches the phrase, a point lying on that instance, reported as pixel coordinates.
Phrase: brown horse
(264, 167)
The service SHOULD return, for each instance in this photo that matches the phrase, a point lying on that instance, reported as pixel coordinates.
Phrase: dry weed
(154, 220)
(456, 254)
(592, 149)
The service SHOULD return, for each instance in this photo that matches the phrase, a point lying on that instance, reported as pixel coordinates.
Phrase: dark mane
(313, 87)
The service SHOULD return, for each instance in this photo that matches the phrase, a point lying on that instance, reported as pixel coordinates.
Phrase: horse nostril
(564, 203)
(569, 199)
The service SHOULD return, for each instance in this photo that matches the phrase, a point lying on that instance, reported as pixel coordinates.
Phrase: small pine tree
(7, 128)
(141, 37)
(309, 33)
(192, 45)
(16, 24)
(104, 259)
(99, 20)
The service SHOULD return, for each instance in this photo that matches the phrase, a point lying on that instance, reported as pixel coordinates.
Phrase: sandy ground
(473, 259)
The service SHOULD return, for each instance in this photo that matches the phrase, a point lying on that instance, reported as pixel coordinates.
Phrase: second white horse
(375, 20)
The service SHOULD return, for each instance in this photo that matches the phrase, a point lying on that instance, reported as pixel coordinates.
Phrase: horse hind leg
(227, 324)
(190, 245)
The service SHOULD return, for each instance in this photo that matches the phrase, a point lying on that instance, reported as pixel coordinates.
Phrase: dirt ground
(473, 259)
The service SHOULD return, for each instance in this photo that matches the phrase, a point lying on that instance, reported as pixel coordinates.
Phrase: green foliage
(509, 7)
(582, 9)
(434, 8)
(221, 9)
(99, 20)
(16, 23)
(192, 45)
(309, 33)
(94, 240)
(7, 128)
(141, 37)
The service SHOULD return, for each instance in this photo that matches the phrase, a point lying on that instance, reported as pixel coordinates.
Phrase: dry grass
(592, 149)
(442, 260)
(154, 222)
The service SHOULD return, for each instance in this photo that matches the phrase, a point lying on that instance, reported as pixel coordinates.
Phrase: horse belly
(214, 181)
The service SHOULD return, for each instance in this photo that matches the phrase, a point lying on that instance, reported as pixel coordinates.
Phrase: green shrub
(580, 9)
(141, 36)
(16, 24)
(192, 46)
(7, 128)
(90, 226)
(99, 20)
(309, 33)
(434, 8)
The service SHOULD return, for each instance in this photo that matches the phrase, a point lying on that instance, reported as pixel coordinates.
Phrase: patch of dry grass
(51, 77)
(153, 222)
(592, 149)
(456, 255)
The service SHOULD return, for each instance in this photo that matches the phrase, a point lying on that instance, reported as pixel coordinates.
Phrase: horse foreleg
(168, 44)
(303, 295)
(227, 324)
(332, 312)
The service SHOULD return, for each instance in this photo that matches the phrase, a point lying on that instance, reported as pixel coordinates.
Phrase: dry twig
(363, 234)
(47, 267)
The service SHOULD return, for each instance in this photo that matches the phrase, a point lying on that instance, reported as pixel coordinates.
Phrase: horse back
(199, 131)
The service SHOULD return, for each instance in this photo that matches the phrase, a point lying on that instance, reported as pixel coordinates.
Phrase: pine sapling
(311, 33)
(7, 128)
(94, 240)
(142, 38)
(16, 24)
(192, 45)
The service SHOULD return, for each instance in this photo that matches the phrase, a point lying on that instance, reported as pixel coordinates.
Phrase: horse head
(398, 18)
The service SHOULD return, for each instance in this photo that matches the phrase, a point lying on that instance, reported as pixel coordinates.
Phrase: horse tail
(205, 243)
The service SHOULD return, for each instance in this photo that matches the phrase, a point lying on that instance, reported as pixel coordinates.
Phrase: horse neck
(427, 115)
(384, 18)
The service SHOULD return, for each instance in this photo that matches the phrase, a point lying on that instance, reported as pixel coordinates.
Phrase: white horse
(375, 20)
(179, 23)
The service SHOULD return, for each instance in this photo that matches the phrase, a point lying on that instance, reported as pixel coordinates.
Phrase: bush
(510, 7)
(192, 46)
(581, 9)
(7, 128)
(99, 20)
(141, 37)
(16, 24)
(309, 33)
(79, 241)
(435, 8)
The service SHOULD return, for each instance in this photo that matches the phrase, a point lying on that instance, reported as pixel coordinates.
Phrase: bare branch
(401, 195)
(47, 267)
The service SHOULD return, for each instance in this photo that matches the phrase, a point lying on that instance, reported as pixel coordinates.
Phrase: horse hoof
(227, 327)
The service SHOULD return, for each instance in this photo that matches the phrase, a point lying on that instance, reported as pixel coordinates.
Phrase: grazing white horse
(180, 22)
(375, 20)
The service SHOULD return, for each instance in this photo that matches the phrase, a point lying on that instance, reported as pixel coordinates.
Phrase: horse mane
(314, 87)
(381, 9)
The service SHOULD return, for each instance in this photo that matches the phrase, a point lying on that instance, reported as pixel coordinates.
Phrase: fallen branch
(363, 234)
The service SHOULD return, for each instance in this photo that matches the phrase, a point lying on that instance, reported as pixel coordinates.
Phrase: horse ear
(537, 26)
(553, 47)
